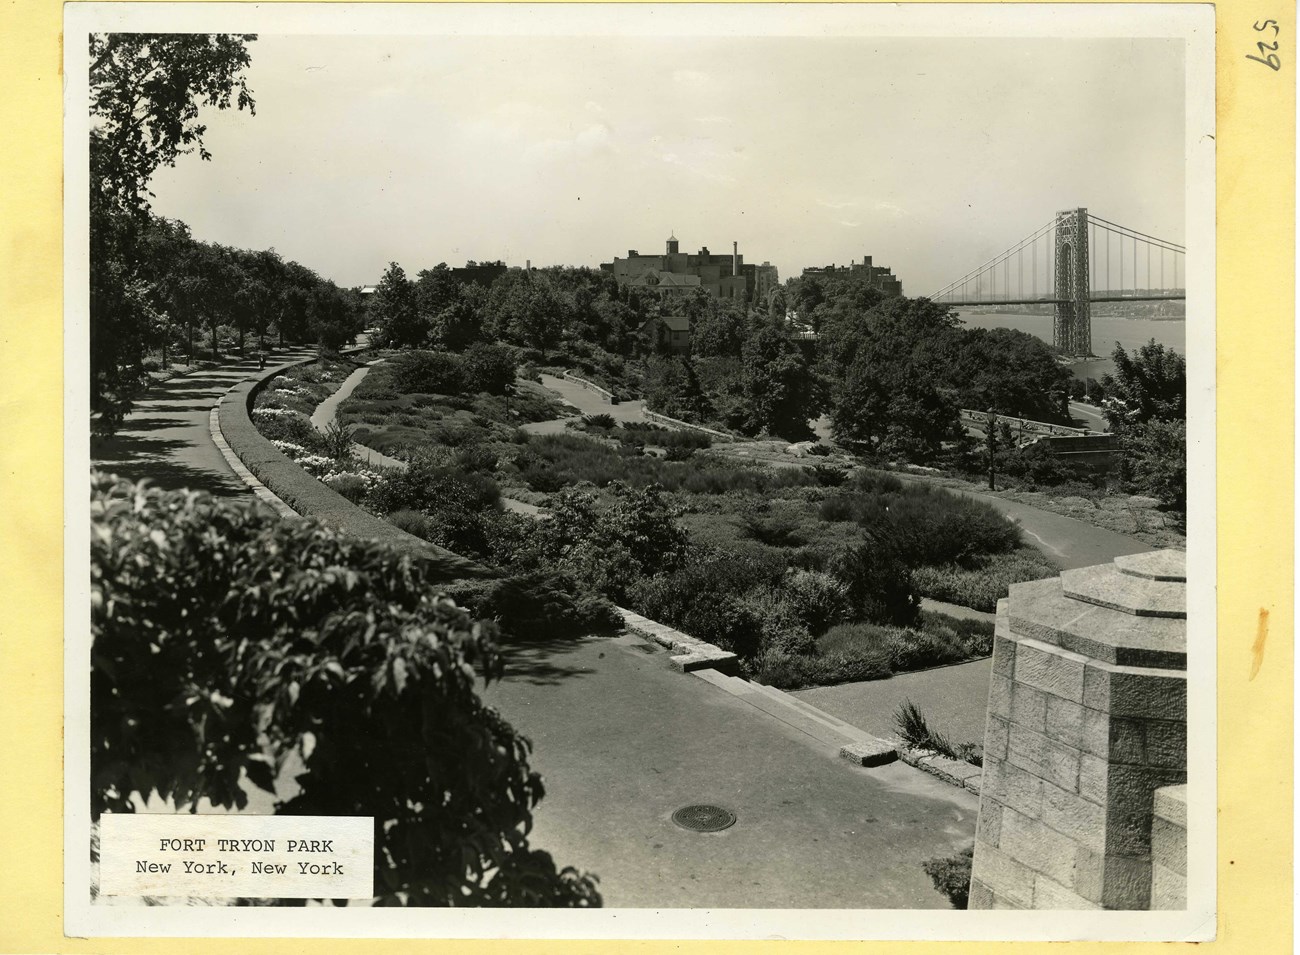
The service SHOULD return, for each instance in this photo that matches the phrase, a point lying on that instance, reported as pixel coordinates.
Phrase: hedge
(311, 498)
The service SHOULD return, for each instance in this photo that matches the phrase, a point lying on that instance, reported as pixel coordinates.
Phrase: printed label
(227, 856)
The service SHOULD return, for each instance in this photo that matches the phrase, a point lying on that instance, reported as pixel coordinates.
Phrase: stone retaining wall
(604, 393)
(663, 419)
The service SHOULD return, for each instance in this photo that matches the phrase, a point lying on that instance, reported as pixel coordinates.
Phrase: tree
(1156, 455)
(780, 389)
(527, 308)
(225, 640)
(1149, 384)
(394, 311)
(145, 94)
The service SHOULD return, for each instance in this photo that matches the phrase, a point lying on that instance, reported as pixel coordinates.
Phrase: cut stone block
(1105, 586)
(1157, 565)
(869, 752)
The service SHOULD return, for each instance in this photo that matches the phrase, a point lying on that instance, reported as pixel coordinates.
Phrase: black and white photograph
(683, 471)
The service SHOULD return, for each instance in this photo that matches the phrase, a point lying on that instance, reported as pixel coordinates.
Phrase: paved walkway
(587, 402)
(166, 440)
(623, 741)
(953, 700)
(1069, 542)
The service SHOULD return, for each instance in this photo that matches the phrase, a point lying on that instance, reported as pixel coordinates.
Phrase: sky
(931, 155)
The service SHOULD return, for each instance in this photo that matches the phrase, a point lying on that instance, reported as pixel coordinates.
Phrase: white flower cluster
(368, 478)
(277, 413)
(317, 465)
(288, 447)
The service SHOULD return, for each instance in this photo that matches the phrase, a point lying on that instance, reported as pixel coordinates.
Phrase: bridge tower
(1072, 326)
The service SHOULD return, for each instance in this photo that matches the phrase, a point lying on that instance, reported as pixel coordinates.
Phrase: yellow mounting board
(1255, 315)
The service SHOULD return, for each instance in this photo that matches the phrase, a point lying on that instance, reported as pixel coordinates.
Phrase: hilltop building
(480, 273)
(677, 273)
(670, 331)
(875, 276)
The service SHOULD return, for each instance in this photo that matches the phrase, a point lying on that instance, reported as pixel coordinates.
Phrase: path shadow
(170, 475)
(533, 661)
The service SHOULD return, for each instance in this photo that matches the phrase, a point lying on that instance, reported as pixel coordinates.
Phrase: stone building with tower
(678, 273)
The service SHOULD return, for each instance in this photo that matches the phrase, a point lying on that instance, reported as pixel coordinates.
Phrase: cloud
(715, 120)
(702, 161)
(837, 205)
(693, 78)
(847, 224)
(592, 139)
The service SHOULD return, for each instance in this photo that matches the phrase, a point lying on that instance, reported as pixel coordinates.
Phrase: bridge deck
(1057, 301)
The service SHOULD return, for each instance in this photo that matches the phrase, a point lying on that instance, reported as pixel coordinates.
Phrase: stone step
(780, 709)
(833, 722)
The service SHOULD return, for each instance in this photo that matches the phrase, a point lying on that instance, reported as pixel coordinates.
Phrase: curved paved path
(165, 439)
(587, 402)
(1069, 542)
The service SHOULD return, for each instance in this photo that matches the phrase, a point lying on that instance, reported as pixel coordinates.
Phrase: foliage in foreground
(226, 640)
(951, 875)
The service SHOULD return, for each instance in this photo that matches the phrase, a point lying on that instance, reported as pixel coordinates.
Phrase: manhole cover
(704, 818)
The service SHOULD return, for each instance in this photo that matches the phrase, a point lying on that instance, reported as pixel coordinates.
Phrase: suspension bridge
(1074, 260)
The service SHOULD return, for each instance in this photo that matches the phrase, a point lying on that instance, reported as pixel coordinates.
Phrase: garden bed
(808, 573)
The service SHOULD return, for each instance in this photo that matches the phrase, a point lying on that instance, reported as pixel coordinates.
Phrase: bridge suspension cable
(995, 283)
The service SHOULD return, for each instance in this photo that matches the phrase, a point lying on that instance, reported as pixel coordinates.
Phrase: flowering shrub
(317, 465)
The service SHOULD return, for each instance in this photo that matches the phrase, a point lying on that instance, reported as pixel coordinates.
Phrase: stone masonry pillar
(1087, 718)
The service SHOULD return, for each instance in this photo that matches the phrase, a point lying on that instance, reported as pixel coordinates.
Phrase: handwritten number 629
(1269, 59)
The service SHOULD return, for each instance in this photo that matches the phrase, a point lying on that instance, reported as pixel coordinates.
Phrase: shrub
(951, 875)
(774, 532)
(819, 599)
(336, 441)
(541, 605)
(426, 485)
(415, 523)
(791, 671)
(779, 626)
(983, 582)
(352, 486)
(705, 597)
(427, 372)
(609, 546)
(487, 368)
(599, 421)
(225, 638)
(879, 584)
(278, 424)
(925, 525)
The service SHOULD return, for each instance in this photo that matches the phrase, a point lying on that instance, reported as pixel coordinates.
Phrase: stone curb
(955, 772)
(259, 489)
(691, 654)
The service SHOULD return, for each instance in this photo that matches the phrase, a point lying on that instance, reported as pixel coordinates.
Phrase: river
(1132, 333)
